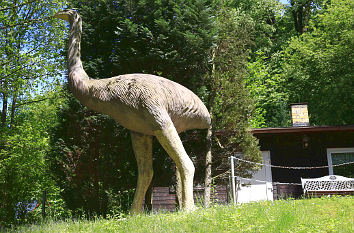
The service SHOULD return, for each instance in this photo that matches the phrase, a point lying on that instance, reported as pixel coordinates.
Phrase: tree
(265, 87)
(269, 33)
(30, 46)
(265, 16)
(24, 172)
(301, 12)
(230, 104)
(318, 66)
(266, 81)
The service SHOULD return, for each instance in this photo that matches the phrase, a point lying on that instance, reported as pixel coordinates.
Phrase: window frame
(336, 150)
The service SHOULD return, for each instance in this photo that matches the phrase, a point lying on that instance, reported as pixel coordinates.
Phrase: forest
(247, 60)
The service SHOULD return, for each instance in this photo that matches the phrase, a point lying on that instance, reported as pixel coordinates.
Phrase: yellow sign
(299, 115)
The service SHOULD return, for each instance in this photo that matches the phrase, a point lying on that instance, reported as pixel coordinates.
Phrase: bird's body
(145, 102)
(147, 105)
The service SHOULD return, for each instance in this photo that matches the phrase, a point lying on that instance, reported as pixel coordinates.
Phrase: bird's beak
(62, 15)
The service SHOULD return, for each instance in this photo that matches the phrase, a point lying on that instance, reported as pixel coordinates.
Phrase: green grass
(333, 214)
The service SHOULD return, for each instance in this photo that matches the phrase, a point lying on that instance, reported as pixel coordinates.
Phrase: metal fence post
(233, 179)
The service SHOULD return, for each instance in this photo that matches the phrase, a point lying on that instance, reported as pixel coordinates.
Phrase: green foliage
(230, 103)
(318, 66)
(265, 88)
(310, 215)
(30, 45)
(294, 20)
(23, 169)
(264, 14)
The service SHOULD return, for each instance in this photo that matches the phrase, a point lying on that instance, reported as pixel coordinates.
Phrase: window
(339, 156)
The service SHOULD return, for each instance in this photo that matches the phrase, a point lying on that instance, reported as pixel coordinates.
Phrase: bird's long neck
(77, 76)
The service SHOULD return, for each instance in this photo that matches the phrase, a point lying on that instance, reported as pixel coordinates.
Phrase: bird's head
(67, 15)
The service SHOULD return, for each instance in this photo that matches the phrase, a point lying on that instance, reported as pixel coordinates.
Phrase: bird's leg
(142, 146)
(169, 139)
(178, 188)
(148, 198)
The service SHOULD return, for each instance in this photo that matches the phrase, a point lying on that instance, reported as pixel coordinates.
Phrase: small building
(288, 151)
(308, 146)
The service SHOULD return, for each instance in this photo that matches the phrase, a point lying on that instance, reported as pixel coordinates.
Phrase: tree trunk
(4, 87)
(208, 162)
(301, 14)
(13, 109)
(4, 109)
(307, 16)
(208, 156)
(295, 20)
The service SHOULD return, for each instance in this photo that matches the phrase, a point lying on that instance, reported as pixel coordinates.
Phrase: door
(260, 187)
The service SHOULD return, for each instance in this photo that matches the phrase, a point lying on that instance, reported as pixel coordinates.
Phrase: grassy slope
(310, 215)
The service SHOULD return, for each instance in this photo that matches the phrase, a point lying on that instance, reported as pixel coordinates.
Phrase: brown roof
(305, 129)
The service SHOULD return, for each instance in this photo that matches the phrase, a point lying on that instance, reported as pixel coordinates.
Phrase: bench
(328, 185)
